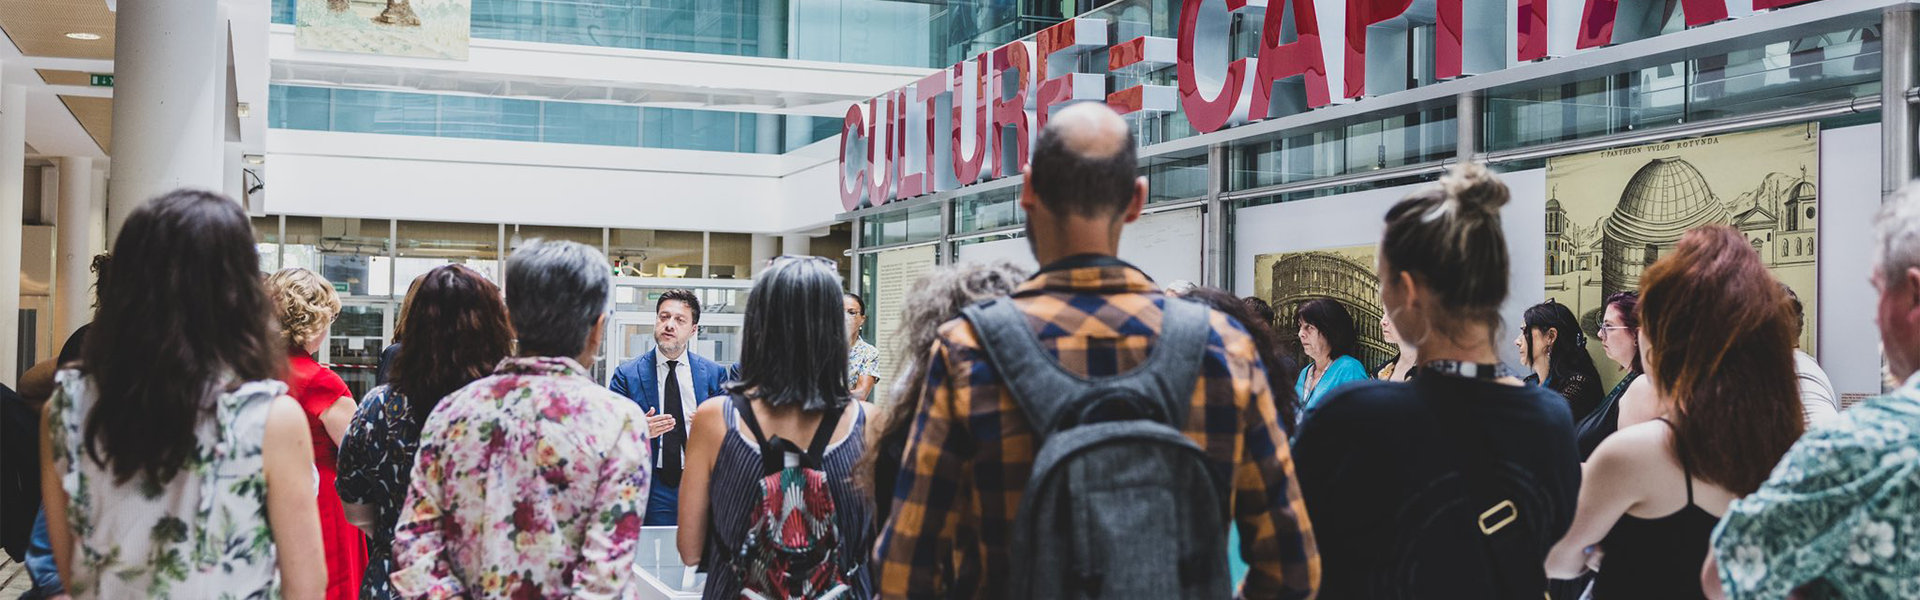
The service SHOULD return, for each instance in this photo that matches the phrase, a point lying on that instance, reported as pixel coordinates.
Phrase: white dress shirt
(688, 402)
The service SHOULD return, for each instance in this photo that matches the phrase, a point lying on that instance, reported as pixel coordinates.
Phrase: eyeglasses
(1606, 330)
(785, 257)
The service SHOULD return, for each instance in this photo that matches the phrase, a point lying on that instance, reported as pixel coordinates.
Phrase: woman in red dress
(306, 306)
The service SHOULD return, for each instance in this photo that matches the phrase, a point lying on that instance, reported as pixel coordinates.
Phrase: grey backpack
(1120, 504)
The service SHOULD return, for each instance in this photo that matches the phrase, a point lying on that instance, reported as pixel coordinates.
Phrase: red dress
(317, 388)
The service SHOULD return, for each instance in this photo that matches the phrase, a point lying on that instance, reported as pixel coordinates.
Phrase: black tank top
(1657, 559)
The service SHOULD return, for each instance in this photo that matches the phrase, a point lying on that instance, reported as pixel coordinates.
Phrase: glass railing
(513, 119)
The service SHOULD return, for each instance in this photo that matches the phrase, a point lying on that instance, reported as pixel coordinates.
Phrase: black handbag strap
(1501, 525)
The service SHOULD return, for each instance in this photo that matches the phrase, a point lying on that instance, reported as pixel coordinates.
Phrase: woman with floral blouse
(460, 333)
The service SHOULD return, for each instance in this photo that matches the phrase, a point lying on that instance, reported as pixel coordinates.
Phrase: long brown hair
(183, 312)
(458, 332)
(1721, 353)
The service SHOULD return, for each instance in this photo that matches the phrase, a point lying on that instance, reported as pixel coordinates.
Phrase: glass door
(359, 334)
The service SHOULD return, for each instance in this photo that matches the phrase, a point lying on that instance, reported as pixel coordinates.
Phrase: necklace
(1462, 369)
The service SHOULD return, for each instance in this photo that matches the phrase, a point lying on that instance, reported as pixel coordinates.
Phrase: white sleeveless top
(202, 535)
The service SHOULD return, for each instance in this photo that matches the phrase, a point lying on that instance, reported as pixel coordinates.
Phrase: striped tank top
(736, 474)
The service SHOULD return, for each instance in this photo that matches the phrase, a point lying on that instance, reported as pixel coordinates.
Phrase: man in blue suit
(669, 382)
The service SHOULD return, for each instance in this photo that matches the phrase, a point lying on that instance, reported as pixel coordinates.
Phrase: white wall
(1165, 245)
(1849, 196)
(1356, 218)
(444, 179)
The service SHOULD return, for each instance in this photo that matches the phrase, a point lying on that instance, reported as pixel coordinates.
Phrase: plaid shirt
(971, 449)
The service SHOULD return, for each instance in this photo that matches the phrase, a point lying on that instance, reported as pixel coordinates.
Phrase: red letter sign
(1300, 58)
(969, 100)
(1010, 60)
(854, 125)
(1204, 69)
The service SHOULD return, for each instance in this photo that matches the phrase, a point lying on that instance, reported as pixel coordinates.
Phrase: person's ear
(1552, 334)
(1029, 199)
(1909, 293)
(1139, 202)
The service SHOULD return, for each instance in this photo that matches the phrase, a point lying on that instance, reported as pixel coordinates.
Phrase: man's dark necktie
(674, 441)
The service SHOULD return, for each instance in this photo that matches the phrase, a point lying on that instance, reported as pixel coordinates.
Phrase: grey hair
(1898, 232)
(556, 292)
(940, 294)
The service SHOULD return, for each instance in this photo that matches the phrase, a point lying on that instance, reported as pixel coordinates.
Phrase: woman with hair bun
(1455, 484)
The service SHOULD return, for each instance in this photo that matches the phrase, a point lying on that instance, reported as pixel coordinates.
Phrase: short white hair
(1897, 229)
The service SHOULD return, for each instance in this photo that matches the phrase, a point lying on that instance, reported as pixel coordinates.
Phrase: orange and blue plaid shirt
(971, 449)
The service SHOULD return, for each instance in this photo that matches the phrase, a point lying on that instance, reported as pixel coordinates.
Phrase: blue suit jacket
(639, 379)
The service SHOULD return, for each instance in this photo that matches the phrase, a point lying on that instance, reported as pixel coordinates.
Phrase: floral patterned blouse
(203, 534)
(1840, 514)
(529, 483)
(863, 360)
(375, 467)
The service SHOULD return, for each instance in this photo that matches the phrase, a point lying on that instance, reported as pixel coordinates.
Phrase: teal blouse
(1838, 513)
(1344, 370)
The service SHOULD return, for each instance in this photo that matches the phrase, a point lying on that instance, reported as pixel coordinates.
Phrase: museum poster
(1612, 213)
(1346, 275)
(416, 28)
(896, 272)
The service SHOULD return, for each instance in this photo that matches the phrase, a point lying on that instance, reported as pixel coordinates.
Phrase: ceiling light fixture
(255, 159)
(82, 35)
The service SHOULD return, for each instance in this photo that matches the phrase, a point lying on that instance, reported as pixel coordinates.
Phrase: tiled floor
(13, 579)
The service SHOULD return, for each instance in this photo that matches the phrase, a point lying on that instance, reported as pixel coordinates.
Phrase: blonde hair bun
(1475, 188)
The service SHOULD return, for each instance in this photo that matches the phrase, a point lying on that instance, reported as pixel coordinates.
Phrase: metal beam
(1897, 45)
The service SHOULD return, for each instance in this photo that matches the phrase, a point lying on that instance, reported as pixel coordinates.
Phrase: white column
(13, 189)
(765, 247)
(97, 215)
(73, 246)
(168, 97)
(796, 244)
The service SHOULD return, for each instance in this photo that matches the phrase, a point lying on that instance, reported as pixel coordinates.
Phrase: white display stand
(662, 574)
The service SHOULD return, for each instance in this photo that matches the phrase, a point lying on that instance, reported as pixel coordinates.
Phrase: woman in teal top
(1328, 337)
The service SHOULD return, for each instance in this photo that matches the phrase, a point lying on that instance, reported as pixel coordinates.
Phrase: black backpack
(1120, 504)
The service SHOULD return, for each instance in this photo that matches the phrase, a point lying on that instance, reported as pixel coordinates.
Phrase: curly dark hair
(183, 312)
(458, 332)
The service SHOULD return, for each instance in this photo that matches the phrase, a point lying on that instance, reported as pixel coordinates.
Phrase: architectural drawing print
(1615, 212)
(417, 28)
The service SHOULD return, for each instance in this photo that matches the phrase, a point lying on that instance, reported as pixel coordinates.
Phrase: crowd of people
(1071, 432)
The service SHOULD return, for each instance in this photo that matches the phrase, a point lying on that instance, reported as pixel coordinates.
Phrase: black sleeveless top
(1657, 558)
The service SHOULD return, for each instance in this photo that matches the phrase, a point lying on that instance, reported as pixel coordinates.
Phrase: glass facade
(1334, 149)
(1839, 65)
(929, 33)
(480, 117)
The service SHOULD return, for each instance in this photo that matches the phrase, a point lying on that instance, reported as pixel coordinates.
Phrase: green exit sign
(99, 80)
(340, 286)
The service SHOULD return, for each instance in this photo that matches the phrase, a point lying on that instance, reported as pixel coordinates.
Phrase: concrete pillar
(13, 189)
(168, 101)
(73, 246)
(765, 247)
(97, 215)
(796, 244)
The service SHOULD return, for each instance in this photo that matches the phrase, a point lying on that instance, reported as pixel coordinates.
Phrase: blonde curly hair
(303, 302)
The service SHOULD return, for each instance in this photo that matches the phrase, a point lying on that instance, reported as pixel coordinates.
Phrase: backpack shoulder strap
(1046, 390)
(743, 408)
(823, 435)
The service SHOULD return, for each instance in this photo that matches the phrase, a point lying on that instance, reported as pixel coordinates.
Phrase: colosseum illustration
(1346, 277)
